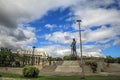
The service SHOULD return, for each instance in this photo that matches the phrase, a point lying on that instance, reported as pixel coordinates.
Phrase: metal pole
(33, 55)
(81, 49)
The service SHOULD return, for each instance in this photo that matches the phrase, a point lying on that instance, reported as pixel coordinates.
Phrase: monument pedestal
(69, 66)
(73, 58)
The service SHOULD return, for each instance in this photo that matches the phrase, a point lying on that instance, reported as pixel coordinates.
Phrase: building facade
(28, 57)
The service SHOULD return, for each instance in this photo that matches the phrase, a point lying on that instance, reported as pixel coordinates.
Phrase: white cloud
(36, 8)
(50, 26)
(89, 11)
(15, 13)
(56, 50)
(117, 41)
(92, 51)
(95, 13)
(91, 14)
(61, 37)
(103, 34)
(95, 54)
(18, 38)
(60, 51)
(97, 17)
(100, 35)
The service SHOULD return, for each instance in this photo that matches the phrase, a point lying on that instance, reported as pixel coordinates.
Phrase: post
(33, 55)
(81, 49)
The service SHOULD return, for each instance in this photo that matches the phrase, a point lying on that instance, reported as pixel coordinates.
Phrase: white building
(35, 58)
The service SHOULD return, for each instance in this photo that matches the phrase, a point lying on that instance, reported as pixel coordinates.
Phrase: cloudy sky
(50, 25)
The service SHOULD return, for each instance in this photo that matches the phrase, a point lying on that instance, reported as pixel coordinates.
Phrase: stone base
(73, 58)
(68, 69)
(69, 66)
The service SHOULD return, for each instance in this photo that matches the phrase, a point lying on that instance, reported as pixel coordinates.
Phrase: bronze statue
(73, 48)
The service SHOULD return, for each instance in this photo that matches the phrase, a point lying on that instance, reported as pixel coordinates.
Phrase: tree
(66, 57)
(6, 57)
(109, 59)
(118, 60)
(59, 59)
(17, 58)
(94, 66)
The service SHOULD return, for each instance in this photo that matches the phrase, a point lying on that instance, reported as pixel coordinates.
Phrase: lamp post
(79, 21)
(33, 55)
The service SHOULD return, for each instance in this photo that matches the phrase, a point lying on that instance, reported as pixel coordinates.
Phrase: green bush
(109, 59)
(93, 66)
(30, 71)
(118, 60)
(70, 57)
(87, 63)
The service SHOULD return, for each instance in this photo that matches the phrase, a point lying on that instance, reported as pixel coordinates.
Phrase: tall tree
(6, 57)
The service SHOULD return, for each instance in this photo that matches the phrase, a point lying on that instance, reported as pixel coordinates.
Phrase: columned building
(28, 57)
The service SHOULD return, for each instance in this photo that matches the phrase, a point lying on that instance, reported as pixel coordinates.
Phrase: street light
(79, 21)
(33, 55)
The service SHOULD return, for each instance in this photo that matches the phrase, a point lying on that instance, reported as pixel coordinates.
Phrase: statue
(73, 48)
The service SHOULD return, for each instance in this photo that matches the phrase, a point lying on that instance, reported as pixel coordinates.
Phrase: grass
(76, 78)
(58, 78)
(10, 75)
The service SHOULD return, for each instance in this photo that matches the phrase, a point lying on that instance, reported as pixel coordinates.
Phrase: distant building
(39, 57)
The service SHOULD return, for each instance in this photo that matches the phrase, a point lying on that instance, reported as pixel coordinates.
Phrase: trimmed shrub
(93, 66)
(30, 71)
(87, 63)
(109, 59)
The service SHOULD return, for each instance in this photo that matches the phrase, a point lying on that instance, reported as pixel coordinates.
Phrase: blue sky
(51, 25)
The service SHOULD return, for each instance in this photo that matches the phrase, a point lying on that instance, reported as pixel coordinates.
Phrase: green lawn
(58, 78)
(11, 75)
(77, 78)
